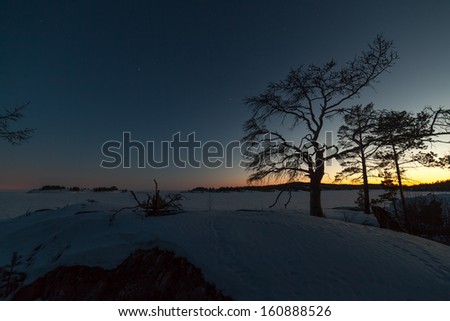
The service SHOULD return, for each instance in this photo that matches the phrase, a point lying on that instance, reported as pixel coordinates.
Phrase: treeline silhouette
(79, 189)
(304, 186)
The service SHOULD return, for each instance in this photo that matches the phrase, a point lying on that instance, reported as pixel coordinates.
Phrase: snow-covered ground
(248, 251)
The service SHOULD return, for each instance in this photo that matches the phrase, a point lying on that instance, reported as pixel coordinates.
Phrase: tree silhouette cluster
(371, 142)
(384, 143)
(307, 98)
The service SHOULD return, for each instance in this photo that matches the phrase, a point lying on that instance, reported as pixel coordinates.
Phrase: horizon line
(25, 188)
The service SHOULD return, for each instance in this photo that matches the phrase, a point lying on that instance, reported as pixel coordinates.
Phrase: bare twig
(278, 197)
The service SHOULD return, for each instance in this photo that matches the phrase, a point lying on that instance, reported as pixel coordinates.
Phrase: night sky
(94, 69)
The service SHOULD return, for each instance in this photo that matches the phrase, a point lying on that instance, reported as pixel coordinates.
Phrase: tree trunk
(365, 184)
(315, 204)
(316, 172)
(400, 185)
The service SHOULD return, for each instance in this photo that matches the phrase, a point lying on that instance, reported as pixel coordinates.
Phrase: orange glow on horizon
(414, 177)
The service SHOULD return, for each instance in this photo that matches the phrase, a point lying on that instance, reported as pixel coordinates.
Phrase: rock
(386, 220)
(144, 275)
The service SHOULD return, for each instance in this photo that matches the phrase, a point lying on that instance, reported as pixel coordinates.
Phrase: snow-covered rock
(144, 275)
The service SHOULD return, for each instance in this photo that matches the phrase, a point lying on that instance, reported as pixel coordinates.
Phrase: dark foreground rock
(144, 275)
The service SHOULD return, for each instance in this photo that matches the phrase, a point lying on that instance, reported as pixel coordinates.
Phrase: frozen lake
(16, 203)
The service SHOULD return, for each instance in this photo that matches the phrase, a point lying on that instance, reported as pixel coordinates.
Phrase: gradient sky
(94, 69)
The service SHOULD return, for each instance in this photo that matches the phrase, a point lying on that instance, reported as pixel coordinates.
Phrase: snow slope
(249, 255)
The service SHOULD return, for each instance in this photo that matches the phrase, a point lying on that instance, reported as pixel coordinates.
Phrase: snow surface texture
(249, 254)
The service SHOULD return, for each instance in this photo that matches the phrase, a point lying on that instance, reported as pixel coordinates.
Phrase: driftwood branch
(154, 205)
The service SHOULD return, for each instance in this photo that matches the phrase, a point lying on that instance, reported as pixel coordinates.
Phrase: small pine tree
(391, 190)
(360, 200)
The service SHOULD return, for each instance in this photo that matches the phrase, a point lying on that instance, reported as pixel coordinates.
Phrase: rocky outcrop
(144, 275)
(386, 220)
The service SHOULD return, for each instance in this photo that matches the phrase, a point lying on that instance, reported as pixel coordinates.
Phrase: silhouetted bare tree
(439, 129)
(357, 142)
(400, 135)
(307, 97)
(14, 137)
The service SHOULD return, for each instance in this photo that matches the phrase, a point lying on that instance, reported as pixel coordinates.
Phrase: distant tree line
(79, 189)
(436, 186)
(303, 186)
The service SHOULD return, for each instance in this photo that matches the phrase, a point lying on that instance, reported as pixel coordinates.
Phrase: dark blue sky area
(93, 69)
